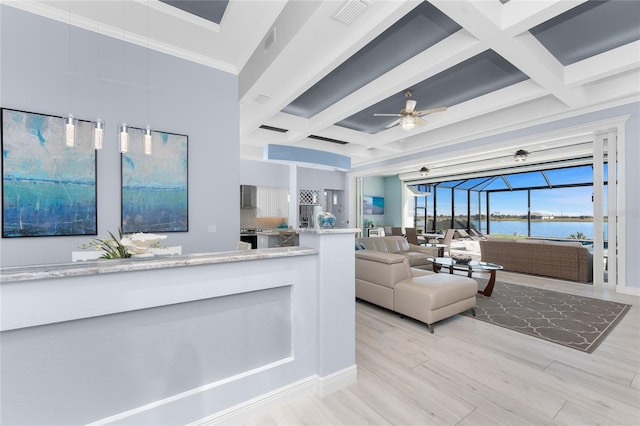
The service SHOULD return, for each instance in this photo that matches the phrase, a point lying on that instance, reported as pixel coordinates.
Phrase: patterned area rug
(578, 322)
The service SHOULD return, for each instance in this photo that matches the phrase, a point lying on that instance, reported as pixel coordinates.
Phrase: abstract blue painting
(372, 205)
(48, 189)
(155, 187)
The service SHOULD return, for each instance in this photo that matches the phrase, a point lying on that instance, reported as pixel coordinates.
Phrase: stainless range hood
(248, 196)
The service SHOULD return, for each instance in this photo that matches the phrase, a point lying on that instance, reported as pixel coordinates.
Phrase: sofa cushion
(436, 290)
(416, 259)
(391, 244)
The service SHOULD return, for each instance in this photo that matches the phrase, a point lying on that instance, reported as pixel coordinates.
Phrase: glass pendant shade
(147, 141)
(70, 131)
(98, 134)
(123, 137)
(407, 123)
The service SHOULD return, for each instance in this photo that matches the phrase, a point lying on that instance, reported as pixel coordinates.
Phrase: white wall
(264, 173)
(42, 59)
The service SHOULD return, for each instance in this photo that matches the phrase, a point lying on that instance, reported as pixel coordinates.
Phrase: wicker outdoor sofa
(565, 260)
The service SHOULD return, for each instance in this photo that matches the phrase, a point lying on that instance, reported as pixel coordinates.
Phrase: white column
(336, 303)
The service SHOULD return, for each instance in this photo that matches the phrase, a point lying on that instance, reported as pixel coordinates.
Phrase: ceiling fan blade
(393, 123)
(421, 121)
(429, 111)
(410, 105)
(387, 115)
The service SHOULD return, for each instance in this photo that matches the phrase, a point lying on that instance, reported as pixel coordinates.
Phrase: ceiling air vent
(351, 10)
(322, 138)
(270, 38)
(273, 129)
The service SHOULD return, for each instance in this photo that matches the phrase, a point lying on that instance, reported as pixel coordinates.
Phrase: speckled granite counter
(323, 231)
(36, 272)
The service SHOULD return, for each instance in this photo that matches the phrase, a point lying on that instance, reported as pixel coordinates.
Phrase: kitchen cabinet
(272, 202)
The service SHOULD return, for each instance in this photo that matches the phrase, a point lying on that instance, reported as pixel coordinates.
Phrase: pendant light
(70, 131)
(147, 145)
(123, 137)
(147, 140)
(69, 122)
(98, 134)
(98, 125)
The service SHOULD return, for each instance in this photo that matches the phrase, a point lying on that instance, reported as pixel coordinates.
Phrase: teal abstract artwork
(155, 186)
(48, 188)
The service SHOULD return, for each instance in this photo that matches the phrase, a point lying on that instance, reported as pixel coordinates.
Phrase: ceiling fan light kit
(408, 116)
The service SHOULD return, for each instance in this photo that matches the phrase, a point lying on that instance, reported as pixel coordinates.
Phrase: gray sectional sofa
(415, 254)
(387, 279)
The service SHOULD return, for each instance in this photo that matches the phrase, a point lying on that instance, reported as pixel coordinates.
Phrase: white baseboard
(310, 386)
(634, 291)
(337, 380)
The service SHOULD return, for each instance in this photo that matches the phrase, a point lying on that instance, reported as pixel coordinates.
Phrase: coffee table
(471, 267)
(440, 247)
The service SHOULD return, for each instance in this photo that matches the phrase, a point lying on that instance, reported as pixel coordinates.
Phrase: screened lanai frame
(472, 195)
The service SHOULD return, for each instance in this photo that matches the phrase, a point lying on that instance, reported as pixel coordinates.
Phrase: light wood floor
(473, 373)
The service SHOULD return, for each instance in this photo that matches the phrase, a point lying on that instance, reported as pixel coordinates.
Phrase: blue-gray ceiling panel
(420, 29)
(477, 76)
(211, 10)
(590, 29)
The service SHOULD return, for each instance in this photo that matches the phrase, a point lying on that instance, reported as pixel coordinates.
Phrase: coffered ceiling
(312, 74)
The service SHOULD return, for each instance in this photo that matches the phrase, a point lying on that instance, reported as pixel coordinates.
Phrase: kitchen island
(270, 238)
(214, 336)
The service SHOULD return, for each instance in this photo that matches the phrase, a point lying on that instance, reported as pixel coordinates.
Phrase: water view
(542, 228)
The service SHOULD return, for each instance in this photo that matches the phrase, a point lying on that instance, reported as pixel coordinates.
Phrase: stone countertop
(329, 230)
(106, 266)
(276, 231)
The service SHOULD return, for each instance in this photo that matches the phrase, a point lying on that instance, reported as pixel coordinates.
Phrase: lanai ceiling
(307, 78)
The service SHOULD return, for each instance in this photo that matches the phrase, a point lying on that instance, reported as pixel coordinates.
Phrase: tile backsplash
(248, 219)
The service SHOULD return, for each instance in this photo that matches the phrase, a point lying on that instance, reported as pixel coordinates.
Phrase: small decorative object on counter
(326, 220)
(462, 259)
(138, 243)
(125, 246)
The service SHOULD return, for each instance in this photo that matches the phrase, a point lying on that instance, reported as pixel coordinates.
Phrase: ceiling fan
(408, 116)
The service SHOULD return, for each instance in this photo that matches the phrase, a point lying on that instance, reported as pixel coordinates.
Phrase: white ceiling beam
(519, 16)
(495, 101)
(322, 40)
(451, 51)
(538, 63)
(604, 65)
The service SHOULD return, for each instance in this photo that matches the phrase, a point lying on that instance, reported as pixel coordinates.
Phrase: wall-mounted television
(372, 205)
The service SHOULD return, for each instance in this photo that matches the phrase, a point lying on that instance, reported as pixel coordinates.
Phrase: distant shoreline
(557, 219)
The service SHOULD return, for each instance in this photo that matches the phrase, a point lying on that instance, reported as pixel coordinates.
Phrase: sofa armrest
(382, 269)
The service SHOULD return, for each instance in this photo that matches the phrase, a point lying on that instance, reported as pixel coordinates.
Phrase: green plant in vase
(112, 247)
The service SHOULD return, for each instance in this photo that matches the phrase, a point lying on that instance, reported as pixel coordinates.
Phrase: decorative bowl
(326, 220)
(138, 244)
(462, 259)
